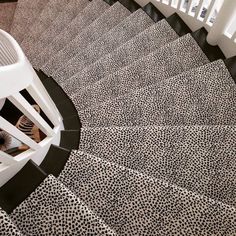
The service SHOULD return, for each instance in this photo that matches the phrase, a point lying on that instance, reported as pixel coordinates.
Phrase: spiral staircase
(133, 104)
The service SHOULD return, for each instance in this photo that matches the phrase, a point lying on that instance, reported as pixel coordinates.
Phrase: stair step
(7, 10)
(153, 12)
(197, 158)
(130, 4)
(196, 97)
(151, 69)
(25, 17)
(61, 22)
(212, 52)
(18, 188)
(72, 123)
(231, 66)
(78, 24)
(109, 19)
(178, 24)
(47, 16)
(128, 28)
(55, 160)
(67, 213)
(70, 139)
(150, 40)
(132, 202)
(7, 227)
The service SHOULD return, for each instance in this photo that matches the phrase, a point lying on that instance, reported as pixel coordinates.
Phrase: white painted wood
(189, 6)
(234, 36)
(6, 159)
(23, 105)
(210, 10)
(222, 22)
(12, 130)
(199, 9)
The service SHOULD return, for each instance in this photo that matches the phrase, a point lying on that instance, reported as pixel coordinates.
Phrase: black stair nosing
(213, 53)
(60, 98)
(153, 12)
(231, 66)
(178, 25)
(8, 1)
(55, 160)
(110, 2)
(72, 123)
(19, 187)
(43, 77)
(70, 139)
(131, 5)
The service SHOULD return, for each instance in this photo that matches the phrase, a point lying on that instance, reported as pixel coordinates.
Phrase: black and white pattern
(135, 204)
(91, 13)
(52, 209)
(202, 96)
(49, 13)
(181, 55)
(131, 26)
(198, 158)
(109, 19)
(72, 9)
(26, 13)
(7, 227)
(139, 46)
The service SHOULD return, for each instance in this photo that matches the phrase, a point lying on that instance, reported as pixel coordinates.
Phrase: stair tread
(66, 212)
(150, 40)
(78, 24)
(70, 139)
(18, 188)
(198, 158)
(48, 14)
(64, 18)
(151, 69)
(128, 28)
(204, 95)
(7, 10)
(24, 17)
(110, 18)
(7, 227)
(133, 203)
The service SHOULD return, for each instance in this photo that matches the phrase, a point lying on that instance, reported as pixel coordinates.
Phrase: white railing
(16, 74)
(217, 16)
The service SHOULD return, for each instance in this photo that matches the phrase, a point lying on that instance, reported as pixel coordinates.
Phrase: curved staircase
(148, 109)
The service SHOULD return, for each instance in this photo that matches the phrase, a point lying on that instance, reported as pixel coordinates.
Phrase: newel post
(222, 22)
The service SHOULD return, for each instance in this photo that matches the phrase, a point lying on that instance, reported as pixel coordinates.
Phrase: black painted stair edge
(213, 53)
(69, 139)
(131, 5)
(18, 188)
(153, 12)
(231, 66)
(55, 160)
(62, 101)
(8, 1)
(110, 2)
(178, 25)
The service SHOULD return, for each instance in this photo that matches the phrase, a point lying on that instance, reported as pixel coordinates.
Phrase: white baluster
(222, 22)
(189, 7)
(199, 9)
(210, 9)
(23, 105)
(180, 4)
(12, 130)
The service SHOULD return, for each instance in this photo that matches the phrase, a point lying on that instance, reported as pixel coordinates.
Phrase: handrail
(217, 16)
